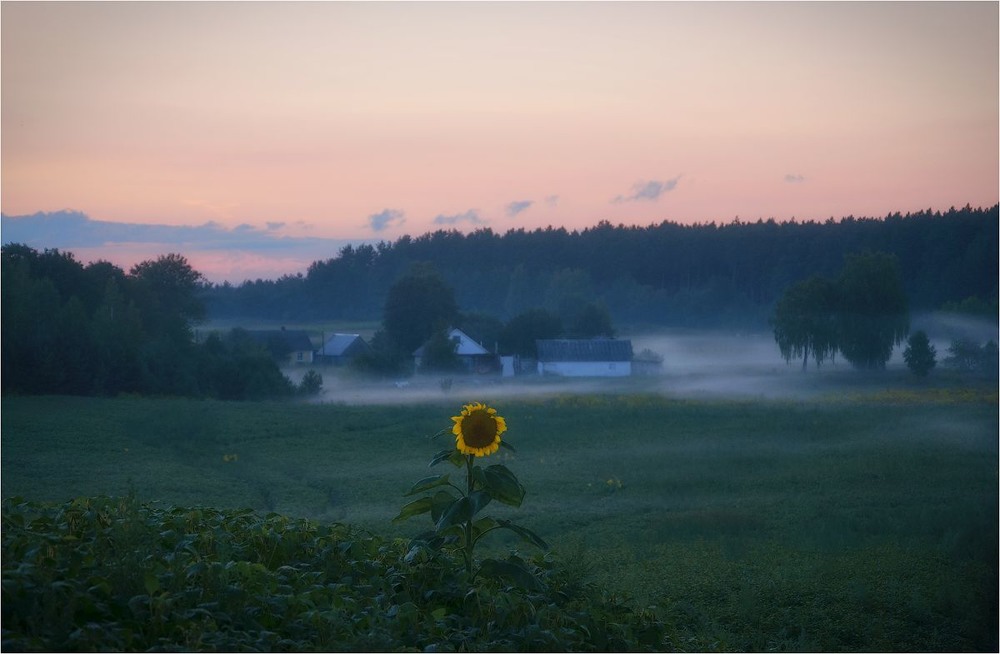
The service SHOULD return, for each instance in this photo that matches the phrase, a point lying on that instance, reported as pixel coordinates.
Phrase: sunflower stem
(468, 523)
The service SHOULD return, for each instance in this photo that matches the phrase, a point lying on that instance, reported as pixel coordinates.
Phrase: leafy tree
(166, 292)
(382, 359)
(167, 289)
(30, 334)
(873, 314)
(965, 355)
(804, 321)
(116, 332)
(973, 306)
(593, 320)
(311, 384)
(519, 335)
(439, 353)
(919, 354)
(482, 327)
(568, 292)
(521, 290)
(417, 305)
(238, 367)
(75, 349)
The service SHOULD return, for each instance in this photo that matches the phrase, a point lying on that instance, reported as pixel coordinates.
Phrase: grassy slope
(823, 525)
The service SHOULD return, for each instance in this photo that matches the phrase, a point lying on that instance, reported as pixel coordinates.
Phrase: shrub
(112, 574)
(311, 384)
(919, 354)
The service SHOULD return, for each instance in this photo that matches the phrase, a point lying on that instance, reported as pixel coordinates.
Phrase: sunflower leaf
(453, 532)
(483, 525)
(514, 572)
(503, 486)
(479, 477)
(439, 457)
(507, 445)
(440, 503)
(451, 455)
(479, 500)
(460, 511)
(427, 483)
(416, 507)
(525, 533)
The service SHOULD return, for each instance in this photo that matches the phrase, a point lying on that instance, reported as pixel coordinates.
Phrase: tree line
(97, 330)
(717, 275)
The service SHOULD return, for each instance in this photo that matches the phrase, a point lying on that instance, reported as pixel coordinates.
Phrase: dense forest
(96, 330)
(705, 275)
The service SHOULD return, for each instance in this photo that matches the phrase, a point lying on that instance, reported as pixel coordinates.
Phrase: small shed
(474, 357)
(340, 349)
(285, 345)
(596, 357)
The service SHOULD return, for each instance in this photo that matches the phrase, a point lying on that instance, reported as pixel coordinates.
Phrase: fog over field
(696, 364)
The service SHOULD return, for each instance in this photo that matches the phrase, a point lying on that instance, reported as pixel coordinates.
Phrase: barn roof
(467, 346)
(596, 349)
(338, 344)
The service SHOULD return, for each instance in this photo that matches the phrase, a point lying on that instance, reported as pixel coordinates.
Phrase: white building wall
(507, 366)
(585, 368)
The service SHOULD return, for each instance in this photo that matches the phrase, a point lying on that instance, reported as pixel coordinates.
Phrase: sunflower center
(479, 429)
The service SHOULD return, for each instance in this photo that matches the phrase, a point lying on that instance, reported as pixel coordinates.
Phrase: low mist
(696, 364)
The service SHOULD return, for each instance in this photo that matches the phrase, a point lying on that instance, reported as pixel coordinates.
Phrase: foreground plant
(478, 431)
(116, 575)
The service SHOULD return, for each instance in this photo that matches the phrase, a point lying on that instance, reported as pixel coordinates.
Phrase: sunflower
(477, 431)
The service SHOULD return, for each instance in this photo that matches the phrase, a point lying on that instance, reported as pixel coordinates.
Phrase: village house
(340, 349)
(474, 357)
(596, 357)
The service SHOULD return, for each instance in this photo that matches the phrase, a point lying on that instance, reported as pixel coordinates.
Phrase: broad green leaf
(507, 445)
(418, 552)
(440, 503)
(479, 500)
(427, 483)
(452, 455)
(416, 507)
(152, 583)
(455, 532)
(525, 533)
(478, 477)
(503, 485)
(512, 572)
(483, 524)
(443, 455)
(459, 512)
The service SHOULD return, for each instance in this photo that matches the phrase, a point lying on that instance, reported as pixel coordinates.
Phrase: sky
(256, 137)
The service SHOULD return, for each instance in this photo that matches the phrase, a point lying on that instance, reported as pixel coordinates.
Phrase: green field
(867, 523)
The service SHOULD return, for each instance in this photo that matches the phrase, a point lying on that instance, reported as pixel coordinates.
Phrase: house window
(298, 356)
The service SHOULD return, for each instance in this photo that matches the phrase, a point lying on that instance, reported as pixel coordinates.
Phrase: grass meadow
(840, 523)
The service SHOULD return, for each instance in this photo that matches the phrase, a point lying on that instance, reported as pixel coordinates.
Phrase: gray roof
(596, 349)
(338, 344)
(467, 346)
